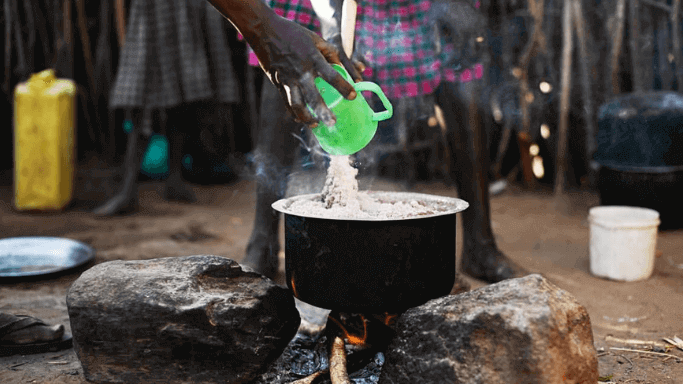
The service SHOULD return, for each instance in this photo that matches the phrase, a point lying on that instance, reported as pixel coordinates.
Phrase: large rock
(196, 319)
(522, 330)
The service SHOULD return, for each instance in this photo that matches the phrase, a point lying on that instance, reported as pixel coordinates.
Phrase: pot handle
(374, 88)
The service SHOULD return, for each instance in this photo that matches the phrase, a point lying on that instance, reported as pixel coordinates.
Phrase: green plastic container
(356, 121)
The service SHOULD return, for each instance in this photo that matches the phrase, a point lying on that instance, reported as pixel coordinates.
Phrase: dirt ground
(528, 228)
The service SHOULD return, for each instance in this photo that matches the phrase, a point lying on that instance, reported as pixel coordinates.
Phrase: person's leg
(467, 143)
(126, 199)
(274, 156)
(179, 120)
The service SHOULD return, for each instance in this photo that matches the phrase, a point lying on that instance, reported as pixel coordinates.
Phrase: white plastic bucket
(622, 242)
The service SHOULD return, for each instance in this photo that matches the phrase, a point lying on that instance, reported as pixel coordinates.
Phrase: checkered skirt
(175, 51)
(394, 37)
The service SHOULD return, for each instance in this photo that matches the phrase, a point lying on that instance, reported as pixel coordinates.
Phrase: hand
(292, 57)
(354, 66)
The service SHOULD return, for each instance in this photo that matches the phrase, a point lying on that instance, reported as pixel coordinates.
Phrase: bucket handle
(374, 88)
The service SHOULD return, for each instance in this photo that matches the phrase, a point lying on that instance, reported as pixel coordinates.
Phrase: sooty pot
(371, 265)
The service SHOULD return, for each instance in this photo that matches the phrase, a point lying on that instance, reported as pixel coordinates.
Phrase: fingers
(315, 101)
(360, 62)
(298, 107)
(336, 80)
(351, 67)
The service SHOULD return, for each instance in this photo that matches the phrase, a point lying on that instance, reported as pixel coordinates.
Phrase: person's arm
(291, 55)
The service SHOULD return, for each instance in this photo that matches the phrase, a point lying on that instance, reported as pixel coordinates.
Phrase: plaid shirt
(394, 37)
(176, 51)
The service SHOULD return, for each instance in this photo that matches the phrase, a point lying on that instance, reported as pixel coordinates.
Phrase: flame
(353, 339)
(291, 281)
(389, 318)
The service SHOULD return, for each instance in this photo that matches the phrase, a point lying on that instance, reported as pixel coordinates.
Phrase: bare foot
(489, 264)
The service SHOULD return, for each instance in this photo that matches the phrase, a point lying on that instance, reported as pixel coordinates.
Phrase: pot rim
(456, 205)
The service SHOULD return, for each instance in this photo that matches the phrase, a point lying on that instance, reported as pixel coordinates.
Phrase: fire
(291, 281)
(389, 318)
(350, 338)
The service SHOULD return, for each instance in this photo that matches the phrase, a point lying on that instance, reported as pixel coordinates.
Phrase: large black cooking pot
(371, 266)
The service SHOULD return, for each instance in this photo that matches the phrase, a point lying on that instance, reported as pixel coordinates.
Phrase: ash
(307, 354)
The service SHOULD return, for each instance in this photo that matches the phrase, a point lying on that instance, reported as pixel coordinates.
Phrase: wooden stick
(647, 353)
(21, 66)
(348, 25)
(8, 50)
(120, 22)
(31, 25)
(338, 373)
(639, 74)
(310, 379)
(634, 342)
(85, 43)
(676, 40)
(67, 31)
(617, 41)
(567, 47)
(579, 26)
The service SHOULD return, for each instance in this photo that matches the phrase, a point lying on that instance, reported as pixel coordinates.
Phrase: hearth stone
(523, 330)
(196, 319)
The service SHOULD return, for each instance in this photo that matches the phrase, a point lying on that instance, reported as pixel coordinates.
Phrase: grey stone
(523, 330)
(195, 319)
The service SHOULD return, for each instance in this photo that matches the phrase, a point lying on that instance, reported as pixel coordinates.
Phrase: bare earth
(528, 228)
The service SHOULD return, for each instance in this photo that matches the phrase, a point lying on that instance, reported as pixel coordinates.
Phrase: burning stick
(310, 379)
(338, 373)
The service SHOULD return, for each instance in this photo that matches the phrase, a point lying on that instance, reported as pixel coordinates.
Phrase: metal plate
(33, 256)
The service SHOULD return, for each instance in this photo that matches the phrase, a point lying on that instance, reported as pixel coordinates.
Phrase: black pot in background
(640, 151)
(371, 266)
(659, 191)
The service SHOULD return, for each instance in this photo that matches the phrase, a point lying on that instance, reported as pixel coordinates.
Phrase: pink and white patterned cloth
(394, 38)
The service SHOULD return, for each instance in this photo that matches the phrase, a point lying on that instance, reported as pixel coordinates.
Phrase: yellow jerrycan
(44, 130)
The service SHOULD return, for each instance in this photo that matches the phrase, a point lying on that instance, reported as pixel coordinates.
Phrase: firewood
(338, 373)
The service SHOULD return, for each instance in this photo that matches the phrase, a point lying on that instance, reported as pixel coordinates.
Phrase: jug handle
(374, 88)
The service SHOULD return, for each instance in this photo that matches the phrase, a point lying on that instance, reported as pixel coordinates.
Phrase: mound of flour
(340, 199)
(365, 206)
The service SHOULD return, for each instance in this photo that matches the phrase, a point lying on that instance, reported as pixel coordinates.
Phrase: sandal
(9, 324)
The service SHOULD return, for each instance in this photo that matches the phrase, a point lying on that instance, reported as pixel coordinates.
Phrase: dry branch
(647, 353)
(634, 342)
(8, 48)
(338, 373)
(85, 43)
(120, 22)
(565, 83)
(676, 341)
(676, 41)
(617, 41)
(587, 94)
(310, 379)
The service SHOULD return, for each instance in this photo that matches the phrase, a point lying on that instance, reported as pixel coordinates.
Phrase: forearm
(250, 17)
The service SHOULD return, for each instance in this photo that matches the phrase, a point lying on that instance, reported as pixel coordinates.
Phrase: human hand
(292, 57)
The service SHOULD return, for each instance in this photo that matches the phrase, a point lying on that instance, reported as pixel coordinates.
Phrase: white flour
(340, 199)
(341, 186)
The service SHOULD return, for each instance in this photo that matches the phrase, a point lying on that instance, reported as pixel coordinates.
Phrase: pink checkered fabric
(393, 36)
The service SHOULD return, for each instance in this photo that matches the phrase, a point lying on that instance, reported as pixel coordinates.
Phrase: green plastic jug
(356, 121)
